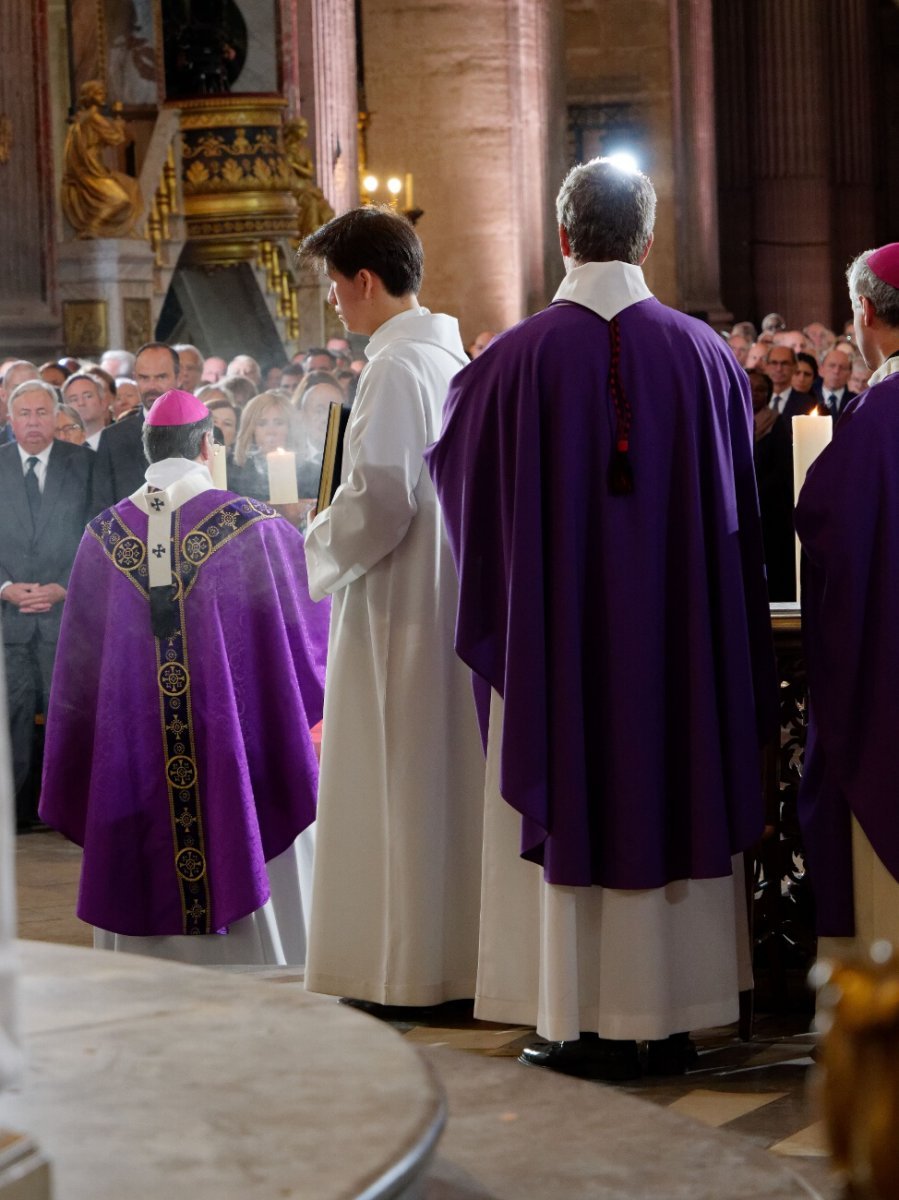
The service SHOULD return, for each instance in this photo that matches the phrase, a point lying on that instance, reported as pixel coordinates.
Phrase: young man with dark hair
(397, 875)
(178, 751)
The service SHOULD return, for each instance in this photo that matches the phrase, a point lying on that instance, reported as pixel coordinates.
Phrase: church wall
(28, 318)
(461, 96)
(619, 92)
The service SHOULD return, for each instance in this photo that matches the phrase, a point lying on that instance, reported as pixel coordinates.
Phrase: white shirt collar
(43, 458)
(94, 440)
(605, 287)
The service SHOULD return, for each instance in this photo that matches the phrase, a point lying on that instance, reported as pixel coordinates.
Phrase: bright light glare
(394, 185)
(624, 161)
(370, 183)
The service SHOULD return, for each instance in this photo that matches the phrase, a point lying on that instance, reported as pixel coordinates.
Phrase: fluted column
(463, 96)
(733, 122)
(693, 97)
(326, 31)
(793, 129)
(852, 141)
(28, 323)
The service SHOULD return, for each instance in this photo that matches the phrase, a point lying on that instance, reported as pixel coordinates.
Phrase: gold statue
(314, 210)
(859, 1059)
(96, 201)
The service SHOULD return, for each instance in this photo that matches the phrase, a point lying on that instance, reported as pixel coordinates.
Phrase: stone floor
(758, 1090)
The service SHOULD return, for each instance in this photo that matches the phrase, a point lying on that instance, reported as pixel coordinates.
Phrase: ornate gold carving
(85, 326)
(96, 201)
(313, 210)
(236, 179)
(5, 138)
(136, 315)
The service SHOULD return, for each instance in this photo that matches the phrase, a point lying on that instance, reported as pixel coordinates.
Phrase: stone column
(462, 97)
(792, 132)
(734, 115)
(327, 77)
(693, 100)
(852, 142)
(29, 325)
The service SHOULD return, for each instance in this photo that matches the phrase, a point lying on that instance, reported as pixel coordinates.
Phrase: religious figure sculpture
(97, 201)
(858, 1086)
(312, 207)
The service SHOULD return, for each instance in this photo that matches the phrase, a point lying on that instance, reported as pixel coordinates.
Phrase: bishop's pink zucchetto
(177, 408)
(885, 263)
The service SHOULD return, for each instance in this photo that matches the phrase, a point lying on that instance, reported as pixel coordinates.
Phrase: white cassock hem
(273, 935)
(623, 964)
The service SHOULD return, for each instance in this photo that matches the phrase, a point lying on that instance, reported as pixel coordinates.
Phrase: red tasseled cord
(621, 473)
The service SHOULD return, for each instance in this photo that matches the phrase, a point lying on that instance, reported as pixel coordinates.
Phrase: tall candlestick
(810, 436)
(282, 477)
(218, 467)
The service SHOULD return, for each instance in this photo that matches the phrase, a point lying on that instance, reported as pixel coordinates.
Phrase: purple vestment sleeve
(628, 635)
(255, 650)
(847, 519)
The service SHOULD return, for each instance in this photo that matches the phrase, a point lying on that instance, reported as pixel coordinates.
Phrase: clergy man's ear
(564, 243)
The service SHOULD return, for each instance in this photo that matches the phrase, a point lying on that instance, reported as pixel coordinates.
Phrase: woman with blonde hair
(266, 424)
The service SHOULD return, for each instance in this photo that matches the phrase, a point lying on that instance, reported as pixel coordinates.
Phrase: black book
(332, 457)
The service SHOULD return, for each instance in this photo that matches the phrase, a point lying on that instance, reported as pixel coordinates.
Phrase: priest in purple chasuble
(847, 519)
(190, 670)
(596, 479)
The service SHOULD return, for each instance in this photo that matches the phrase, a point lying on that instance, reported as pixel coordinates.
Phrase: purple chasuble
(847, 519)
(183, 765)
(628, 635)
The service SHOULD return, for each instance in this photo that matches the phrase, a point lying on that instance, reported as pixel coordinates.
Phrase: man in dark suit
(44, 494)
(120, 463)
(834, 390)
(15, 371)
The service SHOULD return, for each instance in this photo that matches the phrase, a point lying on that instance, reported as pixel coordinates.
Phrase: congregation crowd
(257, 409)
(792, 372)
(99, 407)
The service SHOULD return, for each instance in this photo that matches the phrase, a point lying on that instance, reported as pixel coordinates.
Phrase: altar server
(397, 873)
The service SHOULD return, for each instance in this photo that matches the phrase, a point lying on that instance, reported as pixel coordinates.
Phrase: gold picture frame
(137, 322)
(85, 327)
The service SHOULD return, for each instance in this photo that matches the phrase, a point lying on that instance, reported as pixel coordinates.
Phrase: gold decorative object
(97, 201)
(313, 209)
(236, 180)
(280, 286)
(136, 317)
(859, 1060)
(5, 138)
(85, 327)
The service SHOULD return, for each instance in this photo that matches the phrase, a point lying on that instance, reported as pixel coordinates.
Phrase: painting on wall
(131, 58)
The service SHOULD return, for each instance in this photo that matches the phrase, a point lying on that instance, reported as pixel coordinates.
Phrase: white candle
(810, 435)
(282, 477)
(218, 467)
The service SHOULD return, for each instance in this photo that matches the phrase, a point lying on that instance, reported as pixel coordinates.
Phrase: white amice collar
(605, 287)
(180, 478)
(890, 367)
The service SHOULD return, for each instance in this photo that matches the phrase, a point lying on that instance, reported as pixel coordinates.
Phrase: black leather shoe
(673, 1056)
(412, 1014)
(587, 1058)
